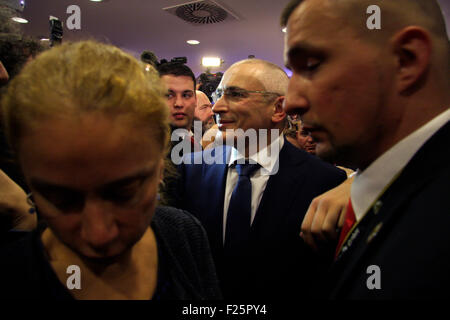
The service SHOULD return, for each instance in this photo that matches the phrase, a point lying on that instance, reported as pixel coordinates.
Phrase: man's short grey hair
(272, 76)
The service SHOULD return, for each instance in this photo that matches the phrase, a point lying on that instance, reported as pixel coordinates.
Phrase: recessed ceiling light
(284, 29)
(211, 62)
(45, 39)
(19, 20)
(96, 0)
(193, 42)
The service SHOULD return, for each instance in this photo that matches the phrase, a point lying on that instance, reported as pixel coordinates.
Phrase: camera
(150, 58)
(180, 60)
(209, 82)
(56, 31)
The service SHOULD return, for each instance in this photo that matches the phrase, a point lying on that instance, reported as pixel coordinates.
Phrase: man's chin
(180, 124)
(207, 126)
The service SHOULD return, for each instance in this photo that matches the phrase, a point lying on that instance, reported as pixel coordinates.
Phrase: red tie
(195, 143)
(350, 220)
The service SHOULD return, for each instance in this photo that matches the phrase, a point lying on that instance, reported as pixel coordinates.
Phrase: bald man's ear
(412, 46)
(278, 115)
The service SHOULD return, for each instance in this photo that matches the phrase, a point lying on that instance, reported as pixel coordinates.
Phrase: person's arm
(325, 217)
(14, 209)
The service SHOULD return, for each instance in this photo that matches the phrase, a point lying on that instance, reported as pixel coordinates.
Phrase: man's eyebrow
(302, 48)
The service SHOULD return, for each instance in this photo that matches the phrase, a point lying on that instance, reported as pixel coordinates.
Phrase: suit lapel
(279, 194)
(214, 181)
(422, 168)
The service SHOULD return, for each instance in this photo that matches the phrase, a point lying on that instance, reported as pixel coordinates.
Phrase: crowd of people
(155, 190)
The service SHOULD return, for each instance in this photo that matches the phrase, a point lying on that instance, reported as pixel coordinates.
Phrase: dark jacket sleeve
(186, 246)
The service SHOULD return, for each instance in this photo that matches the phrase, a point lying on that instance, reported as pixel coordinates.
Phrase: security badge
(376, 208)
(355, 233)
(374, 232)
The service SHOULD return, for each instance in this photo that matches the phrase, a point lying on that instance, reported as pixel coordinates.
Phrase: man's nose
(179, 103)
(296, 102)
(220, 106)
(210, 112)
(99, 227)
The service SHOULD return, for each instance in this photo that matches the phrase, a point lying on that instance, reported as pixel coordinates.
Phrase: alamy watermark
(73, 22)
(263, 143)
(374, 280)
(74, 280)
(374, 21)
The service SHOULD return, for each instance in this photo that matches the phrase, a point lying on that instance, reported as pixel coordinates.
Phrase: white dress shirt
(370, 184)
(269, 166)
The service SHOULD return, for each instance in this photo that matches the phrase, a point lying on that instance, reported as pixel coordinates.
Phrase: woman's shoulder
(17, 245)
(184, 249)
(167, 219)
(21, 266)
(179, 230)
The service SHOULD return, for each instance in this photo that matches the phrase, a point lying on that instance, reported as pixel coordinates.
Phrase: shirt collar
(265, 158)
(370, 184)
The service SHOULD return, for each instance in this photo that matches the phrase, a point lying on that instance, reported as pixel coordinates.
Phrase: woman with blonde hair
(89, 126)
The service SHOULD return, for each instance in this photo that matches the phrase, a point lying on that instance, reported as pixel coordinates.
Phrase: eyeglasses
(237, 93)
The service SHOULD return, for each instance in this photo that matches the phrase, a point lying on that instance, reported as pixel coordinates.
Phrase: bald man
(203, 111)
(253, 218)
(378, 99)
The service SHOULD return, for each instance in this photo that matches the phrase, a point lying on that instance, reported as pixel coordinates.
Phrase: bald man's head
(271, 76)
(395, 15)
(203, 110)
(365, 89)
(250, 96)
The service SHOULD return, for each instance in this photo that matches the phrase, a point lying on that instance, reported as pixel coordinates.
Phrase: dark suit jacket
(278, 260)
(412, 245)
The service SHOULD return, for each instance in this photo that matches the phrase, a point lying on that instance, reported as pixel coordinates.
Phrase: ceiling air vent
(202, 12)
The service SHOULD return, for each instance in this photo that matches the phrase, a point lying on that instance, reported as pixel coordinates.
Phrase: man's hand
(325, 216)
(13, 205)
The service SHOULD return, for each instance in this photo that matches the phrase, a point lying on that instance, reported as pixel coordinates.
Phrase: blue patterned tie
(237, 232)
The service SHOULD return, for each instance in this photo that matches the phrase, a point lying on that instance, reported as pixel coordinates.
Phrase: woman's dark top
(185, 268)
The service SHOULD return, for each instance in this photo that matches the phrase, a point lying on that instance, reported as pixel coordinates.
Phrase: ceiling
(137, 25)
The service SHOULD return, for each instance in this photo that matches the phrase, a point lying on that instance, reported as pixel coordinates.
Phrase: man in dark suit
(262, 257)
(181, 102)
(378, 99)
